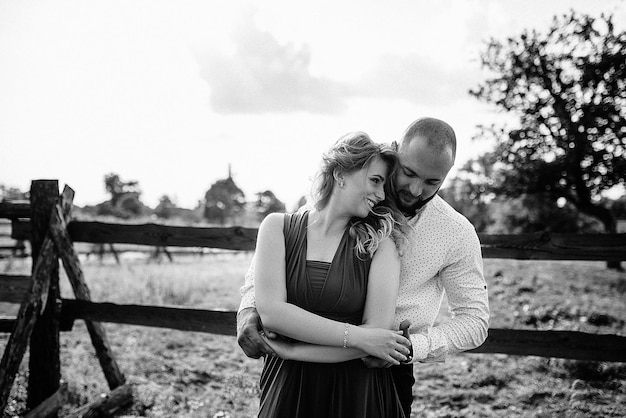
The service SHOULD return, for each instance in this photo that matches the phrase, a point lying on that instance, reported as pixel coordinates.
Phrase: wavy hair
(352, 152)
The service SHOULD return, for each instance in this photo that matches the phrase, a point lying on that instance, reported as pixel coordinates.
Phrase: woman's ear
(338, 175)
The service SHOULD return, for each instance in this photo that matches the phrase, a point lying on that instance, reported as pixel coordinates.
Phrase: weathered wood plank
(50, 406)
(231, 238)
(199, 320)
(560, 344)
(14, 210)
(44, 363)
(550, 246)
(234, 238)
(537, 246)
(107, 405)
(13, 288)
(7, 324)
(30, 309)
(97, 333)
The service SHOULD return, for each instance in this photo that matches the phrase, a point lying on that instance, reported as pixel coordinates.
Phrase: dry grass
(179, 374)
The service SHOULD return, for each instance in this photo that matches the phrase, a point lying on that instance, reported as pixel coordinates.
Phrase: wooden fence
(46, 223)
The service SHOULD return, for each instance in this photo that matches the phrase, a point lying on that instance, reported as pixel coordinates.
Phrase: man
(442, 254)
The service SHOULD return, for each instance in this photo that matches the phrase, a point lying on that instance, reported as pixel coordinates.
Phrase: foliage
(125, 200)
(223, 201)
(461, 197)
(469, 194)
(166, 208)
(118, 188)
(536, 213)
(301, 202)
(268, 203)
(567, 90)
(617, 206)
(12, 194)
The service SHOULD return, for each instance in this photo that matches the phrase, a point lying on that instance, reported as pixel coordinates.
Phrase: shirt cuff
(247, 301)
(420, 347)
(429, 347)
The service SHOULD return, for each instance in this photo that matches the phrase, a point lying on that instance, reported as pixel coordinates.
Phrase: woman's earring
(341, 184)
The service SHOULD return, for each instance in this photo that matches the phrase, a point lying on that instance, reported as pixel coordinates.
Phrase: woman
(328, 279)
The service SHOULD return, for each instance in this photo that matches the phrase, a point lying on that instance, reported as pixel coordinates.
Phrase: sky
(174, 94)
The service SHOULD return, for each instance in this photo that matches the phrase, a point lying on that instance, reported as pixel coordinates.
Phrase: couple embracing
(330, 285)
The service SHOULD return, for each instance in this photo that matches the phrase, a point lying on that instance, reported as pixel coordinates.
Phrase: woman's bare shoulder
(387, 248)
(273, 222)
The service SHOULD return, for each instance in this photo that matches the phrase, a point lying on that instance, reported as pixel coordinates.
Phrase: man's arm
(248, 321)
(466, 289)
(247, 292)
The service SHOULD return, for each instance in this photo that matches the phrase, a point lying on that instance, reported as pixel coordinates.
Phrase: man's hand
(375, 362)
(249, 329)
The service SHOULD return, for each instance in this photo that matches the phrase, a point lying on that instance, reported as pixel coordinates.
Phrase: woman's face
(364, 187)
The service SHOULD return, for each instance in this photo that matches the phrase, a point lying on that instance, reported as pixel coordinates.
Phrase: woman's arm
(379, 313)
(312, 353)
(271, 292)
(382, 287)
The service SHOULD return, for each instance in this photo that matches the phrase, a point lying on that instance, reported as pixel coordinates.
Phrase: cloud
(260, 75)
(418, 80)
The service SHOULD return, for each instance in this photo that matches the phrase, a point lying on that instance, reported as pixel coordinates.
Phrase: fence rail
(536, 246)
(559, 344)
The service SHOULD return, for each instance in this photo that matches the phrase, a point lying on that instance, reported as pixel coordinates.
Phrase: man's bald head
(436, 132)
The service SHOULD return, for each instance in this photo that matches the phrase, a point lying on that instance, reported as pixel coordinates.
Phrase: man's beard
(410, 210)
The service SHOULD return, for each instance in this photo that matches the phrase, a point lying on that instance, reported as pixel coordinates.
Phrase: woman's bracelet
(345, 335)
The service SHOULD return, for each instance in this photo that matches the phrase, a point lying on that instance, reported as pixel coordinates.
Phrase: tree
(12, 193)
(468, 192)
(223, 200)
(124, 202)
(268, 203)
(567, 90)
(301, 202)
(166, 208)
(118, 188)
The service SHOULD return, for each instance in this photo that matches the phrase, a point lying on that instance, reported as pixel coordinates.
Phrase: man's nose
(417, 187)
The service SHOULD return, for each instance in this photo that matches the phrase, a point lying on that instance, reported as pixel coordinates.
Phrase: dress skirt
(329, 390)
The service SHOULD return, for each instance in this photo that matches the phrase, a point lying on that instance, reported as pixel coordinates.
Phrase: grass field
(180, 374)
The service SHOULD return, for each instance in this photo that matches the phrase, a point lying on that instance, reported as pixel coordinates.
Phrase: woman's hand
(280, 347)
(387, 345)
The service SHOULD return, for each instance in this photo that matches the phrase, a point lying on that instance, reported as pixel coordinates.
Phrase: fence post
(44, 363)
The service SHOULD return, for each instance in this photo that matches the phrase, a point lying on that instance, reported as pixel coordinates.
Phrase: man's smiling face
(423, 168)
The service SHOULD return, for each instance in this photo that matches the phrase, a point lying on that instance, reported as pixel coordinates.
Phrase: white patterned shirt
(442, 255)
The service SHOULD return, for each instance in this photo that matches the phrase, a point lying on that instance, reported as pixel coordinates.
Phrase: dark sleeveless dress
(329, 390)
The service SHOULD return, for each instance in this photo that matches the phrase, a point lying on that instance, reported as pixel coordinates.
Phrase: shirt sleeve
(247, 290)
(464, 283)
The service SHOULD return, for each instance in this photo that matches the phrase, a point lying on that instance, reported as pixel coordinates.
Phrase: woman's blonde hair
(352, 152)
